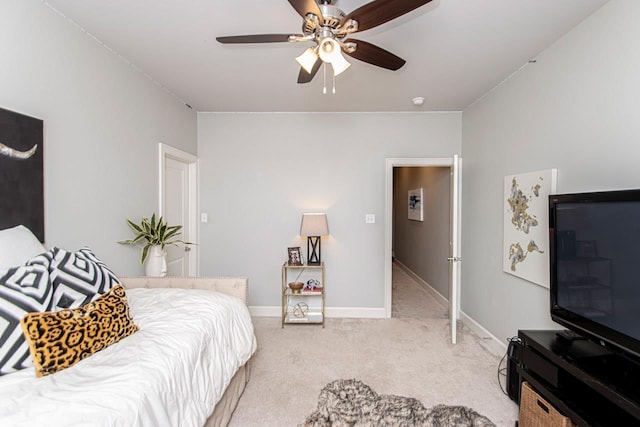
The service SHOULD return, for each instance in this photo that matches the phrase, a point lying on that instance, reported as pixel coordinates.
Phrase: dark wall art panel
(21, 172)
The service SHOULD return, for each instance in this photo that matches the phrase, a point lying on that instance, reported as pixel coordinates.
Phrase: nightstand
(307, 306)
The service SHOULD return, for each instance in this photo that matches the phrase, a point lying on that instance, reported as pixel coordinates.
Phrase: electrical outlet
(204, 217)
(370, 219)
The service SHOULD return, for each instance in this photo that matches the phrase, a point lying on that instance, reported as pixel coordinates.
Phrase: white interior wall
(575, 109)
(102, 123)
(260, 172)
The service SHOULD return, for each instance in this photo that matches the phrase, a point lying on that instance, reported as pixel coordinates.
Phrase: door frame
(391, 163)
(191, 234)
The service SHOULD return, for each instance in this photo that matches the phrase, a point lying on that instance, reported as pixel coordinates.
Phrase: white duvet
(169, 373)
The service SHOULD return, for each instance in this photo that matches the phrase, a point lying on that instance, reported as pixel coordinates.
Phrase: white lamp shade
(314, 224)
(329, 49)
(307, 59)
(331, 52)
(339, 64)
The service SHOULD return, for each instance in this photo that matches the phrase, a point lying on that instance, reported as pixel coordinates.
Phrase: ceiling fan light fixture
(329, 49)
(328, 26)
(331, 52)
(339, 64)
(307, 59)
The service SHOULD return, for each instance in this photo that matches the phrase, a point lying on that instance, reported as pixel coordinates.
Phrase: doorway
(178, 172)
(447, 260)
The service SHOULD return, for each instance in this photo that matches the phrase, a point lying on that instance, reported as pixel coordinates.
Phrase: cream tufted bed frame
(235, 286)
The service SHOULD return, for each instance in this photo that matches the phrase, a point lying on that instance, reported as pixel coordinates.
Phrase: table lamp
(313, 226)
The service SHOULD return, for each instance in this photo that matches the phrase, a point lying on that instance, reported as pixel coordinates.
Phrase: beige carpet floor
(408, 355)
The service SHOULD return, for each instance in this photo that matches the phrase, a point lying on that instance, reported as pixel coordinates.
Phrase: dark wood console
(586, 382)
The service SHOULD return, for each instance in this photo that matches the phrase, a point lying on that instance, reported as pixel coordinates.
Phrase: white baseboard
(494, 345)
(331, 312)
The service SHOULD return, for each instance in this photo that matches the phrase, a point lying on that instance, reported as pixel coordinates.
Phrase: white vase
(156, 263)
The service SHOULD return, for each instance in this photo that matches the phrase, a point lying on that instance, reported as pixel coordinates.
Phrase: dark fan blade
(255, 38)
(307, 6)
(375, 55)
(378, 12)
(304, 77)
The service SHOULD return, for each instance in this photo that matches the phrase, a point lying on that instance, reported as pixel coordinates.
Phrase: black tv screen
(595, 266)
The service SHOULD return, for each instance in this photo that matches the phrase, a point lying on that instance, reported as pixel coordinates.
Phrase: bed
(187, 365)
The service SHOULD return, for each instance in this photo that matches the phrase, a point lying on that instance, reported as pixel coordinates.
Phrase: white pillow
(17, 245)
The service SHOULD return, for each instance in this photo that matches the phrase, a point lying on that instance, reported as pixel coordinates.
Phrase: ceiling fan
(329, 28)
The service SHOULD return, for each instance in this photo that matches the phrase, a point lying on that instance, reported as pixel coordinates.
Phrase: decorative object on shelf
(416, 209)
(295, 257)
(300, 310)
(296, 287)
(157, 234)
(314, 225)
(312, 285)
(526, 225)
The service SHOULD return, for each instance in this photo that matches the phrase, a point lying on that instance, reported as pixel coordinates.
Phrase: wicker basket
(537, 412)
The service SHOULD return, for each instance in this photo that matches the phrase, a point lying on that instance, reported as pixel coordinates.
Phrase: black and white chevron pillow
(78, 278)
(23, 290)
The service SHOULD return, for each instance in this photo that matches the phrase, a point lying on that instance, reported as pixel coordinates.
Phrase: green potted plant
(156, 234)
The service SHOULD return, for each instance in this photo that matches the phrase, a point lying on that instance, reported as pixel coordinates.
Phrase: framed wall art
(416, 208)
(21, 172)
(526, 225)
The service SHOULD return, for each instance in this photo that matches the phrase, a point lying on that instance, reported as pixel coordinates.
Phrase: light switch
(370, 219)
(204, 217)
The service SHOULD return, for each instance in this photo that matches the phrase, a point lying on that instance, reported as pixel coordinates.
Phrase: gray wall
(102, 125)
(576, 109)
(260, 172)
(424, 246)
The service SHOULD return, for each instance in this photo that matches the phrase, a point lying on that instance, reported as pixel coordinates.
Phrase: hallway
(411, 300)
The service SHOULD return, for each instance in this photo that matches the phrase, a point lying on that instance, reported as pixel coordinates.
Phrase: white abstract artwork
(526, 225)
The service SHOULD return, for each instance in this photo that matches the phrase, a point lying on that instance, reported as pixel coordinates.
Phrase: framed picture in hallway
(416, 205)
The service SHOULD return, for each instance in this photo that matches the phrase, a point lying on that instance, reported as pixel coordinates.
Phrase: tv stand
(586, 382)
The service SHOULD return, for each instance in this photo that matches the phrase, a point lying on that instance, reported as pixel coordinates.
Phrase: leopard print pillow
(60, 339)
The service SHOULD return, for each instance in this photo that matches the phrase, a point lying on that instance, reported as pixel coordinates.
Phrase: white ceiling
(456, 50)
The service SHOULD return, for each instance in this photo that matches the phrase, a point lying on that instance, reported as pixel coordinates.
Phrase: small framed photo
(295, 257)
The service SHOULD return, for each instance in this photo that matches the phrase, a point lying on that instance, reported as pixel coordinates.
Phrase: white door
(177, 197)
(454, 258)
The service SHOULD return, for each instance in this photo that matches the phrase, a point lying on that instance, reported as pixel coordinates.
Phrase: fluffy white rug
(353, 403)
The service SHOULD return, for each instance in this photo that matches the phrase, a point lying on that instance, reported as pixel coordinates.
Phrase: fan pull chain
(324, 74)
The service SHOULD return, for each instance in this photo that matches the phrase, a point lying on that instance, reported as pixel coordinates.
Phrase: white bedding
(169, 373)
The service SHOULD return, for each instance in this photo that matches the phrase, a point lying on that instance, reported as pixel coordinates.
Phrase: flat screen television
(595, 266)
